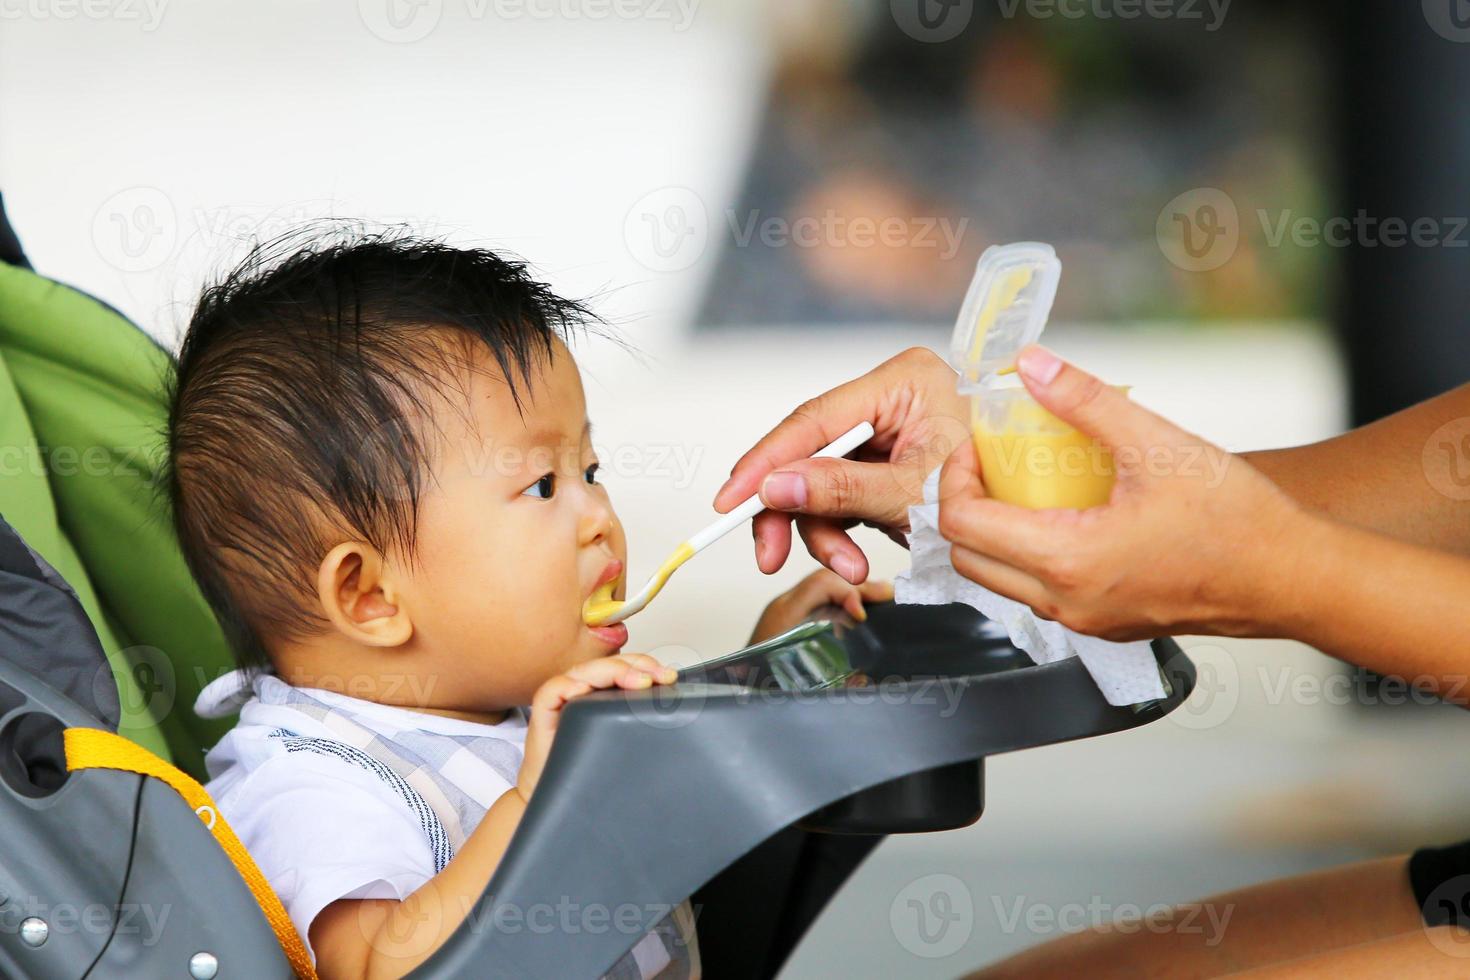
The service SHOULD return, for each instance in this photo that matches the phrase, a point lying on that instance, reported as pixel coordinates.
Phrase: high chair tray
(845, 728)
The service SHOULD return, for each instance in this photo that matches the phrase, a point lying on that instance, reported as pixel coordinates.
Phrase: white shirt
(320, 829)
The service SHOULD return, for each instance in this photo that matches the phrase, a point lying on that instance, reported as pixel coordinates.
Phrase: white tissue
(1126, 673)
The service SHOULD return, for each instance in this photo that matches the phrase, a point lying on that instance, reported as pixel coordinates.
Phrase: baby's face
(514, 533)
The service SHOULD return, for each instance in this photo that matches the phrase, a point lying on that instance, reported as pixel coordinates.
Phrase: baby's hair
(300, 409)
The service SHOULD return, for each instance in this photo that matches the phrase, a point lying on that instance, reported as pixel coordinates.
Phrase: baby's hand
(630, 671)
(820, 588)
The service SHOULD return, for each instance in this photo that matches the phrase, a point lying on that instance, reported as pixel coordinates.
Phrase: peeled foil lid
(1005, 309)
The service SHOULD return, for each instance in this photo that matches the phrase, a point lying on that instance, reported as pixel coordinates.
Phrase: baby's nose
(597, 521)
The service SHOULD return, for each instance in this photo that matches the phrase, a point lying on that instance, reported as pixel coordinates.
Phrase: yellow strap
(93, 748)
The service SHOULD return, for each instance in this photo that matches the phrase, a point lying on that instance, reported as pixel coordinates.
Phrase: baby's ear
(359, 597)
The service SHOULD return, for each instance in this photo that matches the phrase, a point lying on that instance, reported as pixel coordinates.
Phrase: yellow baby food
(1031, 458)
(601, 606)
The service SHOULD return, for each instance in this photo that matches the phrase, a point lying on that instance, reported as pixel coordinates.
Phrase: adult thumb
(1088, 404)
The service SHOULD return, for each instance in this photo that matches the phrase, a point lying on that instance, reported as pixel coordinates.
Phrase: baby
(384, 481)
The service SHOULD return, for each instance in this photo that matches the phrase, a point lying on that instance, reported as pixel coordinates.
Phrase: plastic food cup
(1031, 458)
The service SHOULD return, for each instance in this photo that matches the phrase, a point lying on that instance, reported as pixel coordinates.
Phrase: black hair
(300, 406)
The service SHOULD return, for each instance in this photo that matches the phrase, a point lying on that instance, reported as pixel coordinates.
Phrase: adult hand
(918, 419)
(1193, 539)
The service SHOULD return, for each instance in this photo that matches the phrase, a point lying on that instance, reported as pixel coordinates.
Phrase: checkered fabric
(435, 776)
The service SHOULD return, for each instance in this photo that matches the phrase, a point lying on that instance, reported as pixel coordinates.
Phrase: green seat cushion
(82, 417)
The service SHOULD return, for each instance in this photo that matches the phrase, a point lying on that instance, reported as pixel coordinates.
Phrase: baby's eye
(542, 488)
(591, 475)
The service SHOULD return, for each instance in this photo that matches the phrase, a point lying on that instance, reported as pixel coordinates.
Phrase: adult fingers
(772, 532)
(828, 542)
(880, 493)
(913, 382)
(1020, 537)
(997, 576)
(960, 476)
(1096, 408)
(811, 426)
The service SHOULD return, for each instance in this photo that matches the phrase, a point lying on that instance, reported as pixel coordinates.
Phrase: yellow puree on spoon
(601, 606)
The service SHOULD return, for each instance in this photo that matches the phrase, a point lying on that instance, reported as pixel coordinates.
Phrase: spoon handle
(841, 446)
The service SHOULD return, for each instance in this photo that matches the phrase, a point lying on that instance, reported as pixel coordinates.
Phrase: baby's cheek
(507, 574)
(521, 597)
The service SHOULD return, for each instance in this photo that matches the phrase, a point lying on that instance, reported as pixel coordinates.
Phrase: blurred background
(1259, 211)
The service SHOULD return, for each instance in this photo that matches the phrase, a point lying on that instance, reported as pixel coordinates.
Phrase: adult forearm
(1396, 608)
(1406, 476)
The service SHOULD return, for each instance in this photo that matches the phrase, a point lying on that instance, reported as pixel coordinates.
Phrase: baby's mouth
(601, 604)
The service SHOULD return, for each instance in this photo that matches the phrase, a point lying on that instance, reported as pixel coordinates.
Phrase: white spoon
(601, 609)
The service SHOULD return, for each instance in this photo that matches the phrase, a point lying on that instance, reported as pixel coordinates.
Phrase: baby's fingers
(823, 588)
(608, 672)
(555, 693)
(649, 665)
(852, 597)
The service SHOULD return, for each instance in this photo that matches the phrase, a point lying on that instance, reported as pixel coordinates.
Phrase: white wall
(136, 154)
